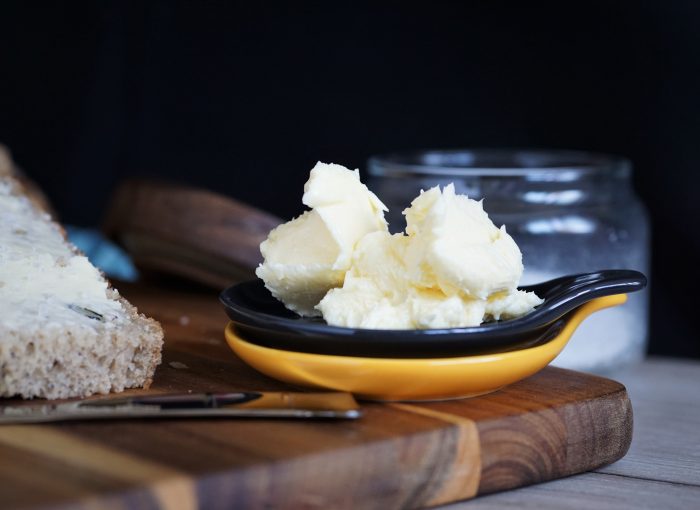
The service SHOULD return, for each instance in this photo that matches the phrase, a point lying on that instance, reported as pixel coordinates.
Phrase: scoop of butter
(309, 255)
(453, 268)
(455, 247)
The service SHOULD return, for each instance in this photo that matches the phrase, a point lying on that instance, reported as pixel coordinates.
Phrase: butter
(452, 268)
(457, 248)
(41, 275)
(309, 255)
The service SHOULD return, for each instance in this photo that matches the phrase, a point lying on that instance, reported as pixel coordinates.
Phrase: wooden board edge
(555, 442)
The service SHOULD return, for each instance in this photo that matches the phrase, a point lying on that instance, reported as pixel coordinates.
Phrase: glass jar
(569, 211)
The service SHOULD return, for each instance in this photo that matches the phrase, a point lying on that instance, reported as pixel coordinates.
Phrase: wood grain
(191, 233)
(666, 444)
(563, 432)
(662, 467)
(408, 455)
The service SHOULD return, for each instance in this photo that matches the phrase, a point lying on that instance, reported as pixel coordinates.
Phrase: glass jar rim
(532, 164)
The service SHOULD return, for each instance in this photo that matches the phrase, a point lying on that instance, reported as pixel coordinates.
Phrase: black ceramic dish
(263, 320)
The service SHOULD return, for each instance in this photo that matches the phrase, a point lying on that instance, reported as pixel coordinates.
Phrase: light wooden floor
(662, 467)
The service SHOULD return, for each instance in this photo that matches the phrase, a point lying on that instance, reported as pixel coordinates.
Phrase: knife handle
(187, 401)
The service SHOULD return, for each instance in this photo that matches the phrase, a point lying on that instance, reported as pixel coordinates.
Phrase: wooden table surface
(662, 467)
(661, 470)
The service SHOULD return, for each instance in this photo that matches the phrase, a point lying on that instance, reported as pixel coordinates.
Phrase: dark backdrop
(245, 97)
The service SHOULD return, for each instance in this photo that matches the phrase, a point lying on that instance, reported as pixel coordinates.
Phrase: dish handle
(592, 306)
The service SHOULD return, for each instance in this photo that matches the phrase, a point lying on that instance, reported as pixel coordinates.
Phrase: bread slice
(64, 332)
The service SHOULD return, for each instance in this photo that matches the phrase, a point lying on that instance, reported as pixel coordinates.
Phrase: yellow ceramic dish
(411, 379)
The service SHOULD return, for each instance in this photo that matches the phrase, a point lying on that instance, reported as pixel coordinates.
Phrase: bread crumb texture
(63, 331)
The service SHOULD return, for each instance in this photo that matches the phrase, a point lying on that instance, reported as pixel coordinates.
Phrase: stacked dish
(426, 364)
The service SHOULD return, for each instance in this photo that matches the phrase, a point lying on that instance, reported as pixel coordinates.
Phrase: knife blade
(246, 404)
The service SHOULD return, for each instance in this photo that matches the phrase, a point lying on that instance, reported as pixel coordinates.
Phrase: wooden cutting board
(399, 455)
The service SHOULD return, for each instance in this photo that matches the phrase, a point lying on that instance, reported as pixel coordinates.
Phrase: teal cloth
(104, 254)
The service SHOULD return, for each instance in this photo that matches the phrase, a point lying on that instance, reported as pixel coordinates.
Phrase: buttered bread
(64, 332)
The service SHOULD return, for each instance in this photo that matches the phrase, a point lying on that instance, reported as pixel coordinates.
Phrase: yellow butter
(309, 255)
(452, 268)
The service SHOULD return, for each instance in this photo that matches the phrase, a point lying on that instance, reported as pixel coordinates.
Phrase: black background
(245, 97)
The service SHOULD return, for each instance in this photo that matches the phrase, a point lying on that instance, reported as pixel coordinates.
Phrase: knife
(248, 404)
